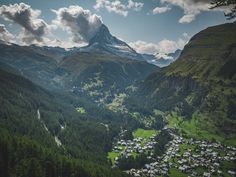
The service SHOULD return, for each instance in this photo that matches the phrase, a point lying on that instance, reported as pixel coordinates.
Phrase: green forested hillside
(49, 127)
(97, 76)
(100, 77)
(22, 157)
(49, 100)
(209, 56)
(199, 87)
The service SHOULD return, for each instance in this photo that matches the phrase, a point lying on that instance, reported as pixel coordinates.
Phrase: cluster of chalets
(126, 148)
(204, 155)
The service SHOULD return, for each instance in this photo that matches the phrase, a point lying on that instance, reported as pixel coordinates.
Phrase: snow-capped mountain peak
(104, 42)
(104, 37)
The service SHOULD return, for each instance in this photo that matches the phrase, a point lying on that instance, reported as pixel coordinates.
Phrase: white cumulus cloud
(81, 23)
(191, 8)
(118, 7)
(164, 56)
(5, 35)
(165, 46)
(144, 47)
(22, 14)
(137, 6)
(159, 10)
(69, 43)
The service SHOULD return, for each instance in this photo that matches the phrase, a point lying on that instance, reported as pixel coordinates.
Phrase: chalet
(205, 174)
(182, 169)
(231, 172)
(123, 144)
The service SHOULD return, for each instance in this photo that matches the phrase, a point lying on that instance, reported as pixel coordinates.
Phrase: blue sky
(138, 25)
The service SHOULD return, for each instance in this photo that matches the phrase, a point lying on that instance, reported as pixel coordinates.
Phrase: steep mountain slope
(31, 62)
(200, 86)
(103, 42)
(175, 55)
(209, 54)
(27, 109)
(22, 157)
(102, 76)
(162, 60)
(45, 124)
(75, 71)
(56, 53)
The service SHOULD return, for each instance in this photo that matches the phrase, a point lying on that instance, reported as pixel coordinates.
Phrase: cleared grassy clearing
(198, 128)
(112, 156)
(176, 173)
(141, 133)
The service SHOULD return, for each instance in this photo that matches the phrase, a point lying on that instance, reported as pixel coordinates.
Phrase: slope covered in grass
(200, 87)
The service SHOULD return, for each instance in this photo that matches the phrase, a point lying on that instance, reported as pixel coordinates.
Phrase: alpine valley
(105, 110)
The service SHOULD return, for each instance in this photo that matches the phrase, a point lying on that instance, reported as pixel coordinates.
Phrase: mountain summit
(104, 37)
(104, 42)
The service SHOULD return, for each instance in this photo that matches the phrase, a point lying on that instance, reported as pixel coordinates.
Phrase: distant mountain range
(89, 70)
(105, 43)
(87, 73)
(162, 60)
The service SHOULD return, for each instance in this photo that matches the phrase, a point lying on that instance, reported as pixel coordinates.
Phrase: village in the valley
(183, 157)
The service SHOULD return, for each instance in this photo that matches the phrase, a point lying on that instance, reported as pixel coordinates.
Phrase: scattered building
(202, 154)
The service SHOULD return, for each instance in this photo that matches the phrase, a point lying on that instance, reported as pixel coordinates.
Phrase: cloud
(169, 46)
(22, 14)
(137, 6)
(187, 18)
(191, 8)
(69, 43)
(165, 46)
(117, 7)
(159, 10)
(163, 56)
(82, 24)
(5, 35)
(114, 6)
(144, 47)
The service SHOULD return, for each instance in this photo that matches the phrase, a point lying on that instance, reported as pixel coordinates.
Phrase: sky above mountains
(149, 26)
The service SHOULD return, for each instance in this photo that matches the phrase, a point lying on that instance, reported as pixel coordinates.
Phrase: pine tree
(225, 3)
(4, 159)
